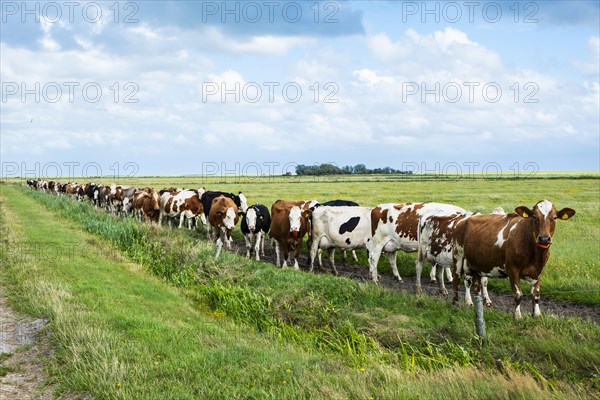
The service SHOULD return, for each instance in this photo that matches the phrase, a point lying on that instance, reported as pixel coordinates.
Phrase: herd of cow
(464, 244)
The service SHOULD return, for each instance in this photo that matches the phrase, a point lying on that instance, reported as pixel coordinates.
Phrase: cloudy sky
(178, 87)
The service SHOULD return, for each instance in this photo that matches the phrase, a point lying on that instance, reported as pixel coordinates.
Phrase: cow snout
(252, 228)
(544, 240)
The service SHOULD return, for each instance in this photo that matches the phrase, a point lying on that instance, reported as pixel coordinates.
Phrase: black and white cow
(340, 203)
(90, 191)
(256, 222)
(345, 227)
(335, 203)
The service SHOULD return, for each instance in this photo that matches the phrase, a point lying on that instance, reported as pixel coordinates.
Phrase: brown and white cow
(115, 202)
(290, 221)
(223, 217)
(435, 237)
(394, 227)
(183, 204)
(145, 205)
(514, 245)
(75, 190)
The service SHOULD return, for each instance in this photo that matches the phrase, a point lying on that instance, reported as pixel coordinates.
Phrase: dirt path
(23, 345)
(24, 348)
(503, 302)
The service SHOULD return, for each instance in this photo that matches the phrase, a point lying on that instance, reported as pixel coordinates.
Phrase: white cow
(343, 227)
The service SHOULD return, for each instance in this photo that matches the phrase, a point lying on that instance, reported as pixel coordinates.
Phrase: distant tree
(331, 169)
(360, 169)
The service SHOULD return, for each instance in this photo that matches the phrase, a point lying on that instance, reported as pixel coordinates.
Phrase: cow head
(227, 214)
(298, 218)
(543, 217)
(251, 219)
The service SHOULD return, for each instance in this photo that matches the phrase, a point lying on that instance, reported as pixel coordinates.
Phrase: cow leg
(296, 255)
(262, 244)
(433, 275)
(228, 239)
(374, 255)
(516, 287)
(248, 244)
(286, 254)
(315, 252)
(392, 260)
(535, 297)
(439, 270)
(332, 260)
(219, 242)
(219, 247)
(458, 260)
(354, 257)
(181, 218)
(468, 283)
(259, 239)
(449, 274)
(277, 251)
(419, 270)
(484, 290)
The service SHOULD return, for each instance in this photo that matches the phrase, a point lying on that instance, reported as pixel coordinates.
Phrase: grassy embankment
(236, 328)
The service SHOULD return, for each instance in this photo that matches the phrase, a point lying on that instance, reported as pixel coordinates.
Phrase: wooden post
(479, 320)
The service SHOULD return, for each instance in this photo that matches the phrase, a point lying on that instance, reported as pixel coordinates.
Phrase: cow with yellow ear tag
(516, 246)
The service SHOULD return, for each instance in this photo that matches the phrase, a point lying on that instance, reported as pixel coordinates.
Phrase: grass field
(140, 312)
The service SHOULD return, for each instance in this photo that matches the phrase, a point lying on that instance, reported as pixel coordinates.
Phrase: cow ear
(565, 213)
(241, 213)
(524, 211)
(307, 213)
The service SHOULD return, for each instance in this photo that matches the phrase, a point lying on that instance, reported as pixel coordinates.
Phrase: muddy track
(503, 302)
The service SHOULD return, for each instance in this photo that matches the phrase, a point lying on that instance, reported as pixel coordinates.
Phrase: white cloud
(592, 67)
(47, 42)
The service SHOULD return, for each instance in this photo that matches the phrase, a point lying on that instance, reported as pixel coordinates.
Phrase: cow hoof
(433, 281)
(469, 303)
(444, 293)
(488, 304)
(418, 290)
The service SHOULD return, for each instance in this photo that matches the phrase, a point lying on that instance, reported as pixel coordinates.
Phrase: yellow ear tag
(565, 216)
(525, 215)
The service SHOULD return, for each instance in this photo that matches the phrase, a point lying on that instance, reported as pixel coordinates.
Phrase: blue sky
(187, 87)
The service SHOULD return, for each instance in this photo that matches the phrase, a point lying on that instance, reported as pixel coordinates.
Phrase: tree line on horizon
(331, 169)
